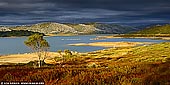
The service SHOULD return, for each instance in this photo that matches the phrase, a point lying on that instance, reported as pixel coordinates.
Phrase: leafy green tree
(38, 45)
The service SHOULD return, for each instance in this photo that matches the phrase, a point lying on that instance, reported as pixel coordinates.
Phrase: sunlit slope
(164, 29)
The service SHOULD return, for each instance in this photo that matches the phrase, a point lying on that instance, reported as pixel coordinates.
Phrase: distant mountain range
(87, 28)
(66, 28)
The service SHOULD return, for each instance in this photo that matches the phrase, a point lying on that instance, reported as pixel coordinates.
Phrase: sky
(23, 12)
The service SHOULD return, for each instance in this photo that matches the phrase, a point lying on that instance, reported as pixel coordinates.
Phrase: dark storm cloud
(115, 11)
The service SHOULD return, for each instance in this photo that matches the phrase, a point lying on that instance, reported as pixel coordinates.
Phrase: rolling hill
(156, 29)
(151, 31)
(69, 28)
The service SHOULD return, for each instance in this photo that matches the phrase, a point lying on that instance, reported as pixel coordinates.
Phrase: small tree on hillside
(38, 45)
(67, 52)
(67, 55)
(60, 52)
(61, 57)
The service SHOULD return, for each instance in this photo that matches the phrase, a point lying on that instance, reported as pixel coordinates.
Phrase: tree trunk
(39, 64)
(39, 58)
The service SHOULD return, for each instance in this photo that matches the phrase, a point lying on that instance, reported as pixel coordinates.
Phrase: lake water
(16, 45)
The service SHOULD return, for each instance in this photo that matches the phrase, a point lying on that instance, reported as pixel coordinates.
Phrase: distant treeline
(17, 33)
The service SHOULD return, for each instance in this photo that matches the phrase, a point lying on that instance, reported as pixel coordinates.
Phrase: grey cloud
(131, 11)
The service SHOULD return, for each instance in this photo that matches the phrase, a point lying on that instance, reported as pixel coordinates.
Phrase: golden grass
(24, 58)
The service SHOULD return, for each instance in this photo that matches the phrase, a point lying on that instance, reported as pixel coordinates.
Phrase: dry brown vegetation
(143, 65)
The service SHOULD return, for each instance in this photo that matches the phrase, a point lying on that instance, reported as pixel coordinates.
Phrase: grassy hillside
(46, 28)
(153, 31)
(144, 65)
(165, 29)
